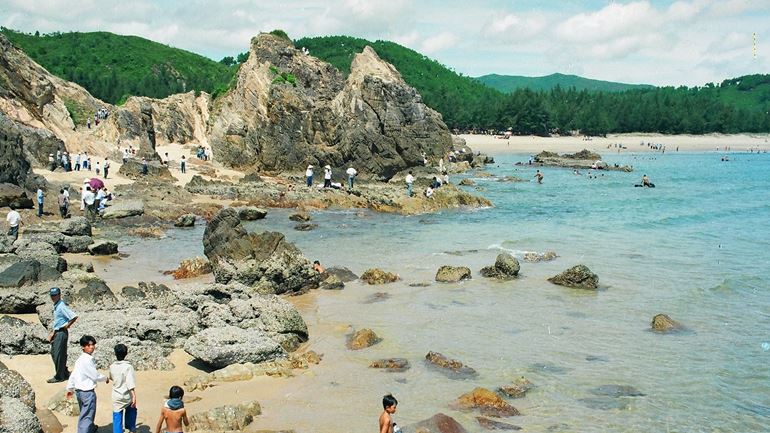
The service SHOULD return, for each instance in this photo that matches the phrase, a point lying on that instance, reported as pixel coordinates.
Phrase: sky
(687, 42)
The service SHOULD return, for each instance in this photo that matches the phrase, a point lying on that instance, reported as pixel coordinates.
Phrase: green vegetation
(737, 105)
(283, 77)
(78, 113)
(509, 83)
(112, 66)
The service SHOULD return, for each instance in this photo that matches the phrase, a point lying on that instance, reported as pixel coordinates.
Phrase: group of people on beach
(351, 173)
(70, 163)
(82, 381)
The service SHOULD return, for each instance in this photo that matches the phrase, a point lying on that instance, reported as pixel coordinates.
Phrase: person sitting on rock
(318, 268)
(645, 180)
(429, 192)
(435, 183)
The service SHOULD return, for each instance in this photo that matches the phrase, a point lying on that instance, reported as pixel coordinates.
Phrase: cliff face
(20, 144)
(373, 120)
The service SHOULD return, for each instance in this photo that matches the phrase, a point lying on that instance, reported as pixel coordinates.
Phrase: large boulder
(124, 209)
(251, 213)
(41, 251)
(20, 273)
(75, 226)
(362, 339)
(452, 274)
(577, 277)
(378, 276)
(14, 196)
(132, 169)
(264, 260)
(438, 423)
(506, 267)
(103, 248)
(18, 337)
(76, 244)
(226, 418)
(220, 347)
(20, 145)
(342, 273)
(662, 323)
(16, 301)
(142, 354)
(16, 417)
(96, 294)
(486, 401)
(13, 385)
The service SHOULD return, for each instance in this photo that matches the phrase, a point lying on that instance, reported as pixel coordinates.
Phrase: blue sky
(687, 42)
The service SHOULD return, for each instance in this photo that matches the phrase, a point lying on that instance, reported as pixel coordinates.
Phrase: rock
(124, 209)
(48, 421)
(75, 226)
(518, 389)
(617, 391)
(362, 339)
(20, 145)
(377, 297)
(18, 337)
(76, 244)
(378, 276)
(225, 418)
(103, 248)
(489, 403)
(662, 323)
(220, 347)
(300, 216)
(453, 274)
(577, 277)
(540, 257)
(143, 355)
(265, 260)
(305, 227)
(20, 273)
(506, 267)
(584, 159)
(495, 425)
(343, 274)
(331, 282)
(14, 196)
(453, 368)
(132, 169)
(190, 268)
(467, 182)
(97, 294)
(42, 252)
(13, 385)
(396, 365)
(15, 301)
(605, 403)
(65, 406)
(251, 213)
(15, 417)
(148, 232)
(186, 220)
(438, 423)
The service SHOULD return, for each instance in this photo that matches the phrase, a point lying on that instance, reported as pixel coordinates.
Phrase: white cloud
(438, 42)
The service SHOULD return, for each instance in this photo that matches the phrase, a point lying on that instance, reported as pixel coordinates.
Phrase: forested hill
(509, 83)
(113, 66)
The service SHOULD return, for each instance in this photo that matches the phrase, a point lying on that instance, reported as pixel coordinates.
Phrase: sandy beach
(492, 145)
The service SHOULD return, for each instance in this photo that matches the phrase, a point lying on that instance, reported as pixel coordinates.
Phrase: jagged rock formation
(372, 120)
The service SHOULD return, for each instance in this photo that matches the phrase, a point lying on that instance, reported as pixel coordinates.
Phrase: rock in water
(103, 248)
(577, 277)
(617, 391)
(190, 268)
(220, 347)
(664, 324)
(453, 368)
(124, 209)
(396, 365)
(331, 282)
(226, 418)
(488, 402)
(518, 389)
(506, 267)
(251, 213)
(452, 274)
(378, 276)
(265, 260)
(362, 339)
(300, 217)
(438, 423)
(343, 274)
(490, 424)
(186, 220)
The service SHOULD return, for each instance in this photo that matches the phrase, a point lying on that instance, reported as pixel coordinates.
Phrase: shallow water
(696, 247)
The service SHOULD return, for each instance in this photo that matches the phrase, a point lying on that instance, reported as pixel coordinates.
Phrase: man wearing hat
(327, 176)
(309, 175)
(63, 318)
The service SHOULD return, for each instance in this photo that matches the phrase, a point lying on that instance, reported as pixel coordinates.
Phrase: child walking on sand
(123, 392)
(387, 425)
(173, 412)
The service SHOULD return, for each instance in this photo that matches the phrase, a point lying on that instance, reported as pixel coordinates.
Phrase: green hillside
(113, 66)
(509, 83)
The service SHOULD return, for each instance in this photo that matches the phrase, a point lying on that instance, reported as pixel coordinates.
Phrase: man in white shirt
(309, 175)
(327, 176)
(13, 219)
(409, 182)
(351, 172)
(83, 381)
(89, 200)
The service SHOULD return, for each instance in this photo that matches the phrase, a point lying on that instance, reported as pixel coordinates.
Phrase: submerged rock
(396, 365)
(362, 339)
(305, 227)
(605, 403)
(300, 217)
(577, 277)
(331, 282)
(488, 402)
(540, 257)
(452, 274)
(662, 323)
(453, 368)
(506, 267)
(226, 418)
(438, 423)
(378, 276)
(518, 389)
(617, 391)
(490, 424)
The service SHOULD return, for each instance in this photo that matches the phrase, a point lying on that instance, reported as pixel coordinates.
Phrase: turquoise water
(695, 247)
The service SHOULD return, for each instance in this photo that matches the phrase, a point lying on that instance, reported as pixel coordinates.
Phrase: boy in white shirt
(82, 383)
(123, 392)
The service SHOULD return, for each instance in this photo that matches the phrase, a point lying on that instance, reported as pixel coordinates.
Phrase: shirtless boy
(387, 425)
(173, 412)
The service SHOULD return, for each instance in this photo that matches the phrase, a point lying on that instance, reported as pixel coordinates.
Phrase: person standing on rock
(77, 162)
(106, 167)
(144, 166)
(183, 165)
(409, 183)
(309, 175)
(89, 202)
(39, 202)
(63, 318)
(327, 176)
(63, 201)
(13, 219)
(351, 172)
(83, 382)
(123, 392)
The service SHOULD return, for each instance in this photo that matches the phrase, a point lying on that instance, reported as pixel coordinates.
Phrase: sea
(695, 247)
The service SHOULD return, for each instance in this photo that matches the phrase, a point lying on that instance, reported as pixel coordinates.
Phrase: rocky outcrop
(506, 267)
(186, 220)
(14, 196)
(18, 337)
(251, 213)
(577, 277)
(453, 274)
(362, 339)
(438, 423)
(226, 418)
(486, 401)
(15, 301)
(372, 120)
(378, 276)
(396, 365)
(15, 417)
(20, 273)
(517, 389)
(143, 355)
(220, 347)
(132, 169)
(264, 260)
(19, 144)
(124, 209)
(453, 368)
(663, 324)
(584, 159)
(13, 385)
